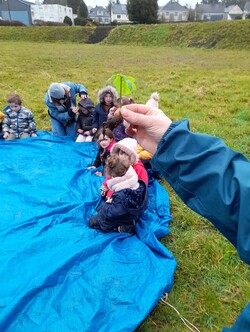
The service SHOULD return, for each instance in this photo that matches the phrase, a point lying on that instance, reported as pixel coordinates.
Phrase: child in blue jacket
(129, 200)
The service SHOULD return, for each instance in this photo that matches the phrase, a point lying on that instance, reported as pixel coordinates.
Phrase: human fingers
(134, 118)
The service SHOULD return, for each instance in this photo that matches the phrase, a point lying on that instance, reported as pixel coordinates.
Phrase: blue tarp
(57, 274)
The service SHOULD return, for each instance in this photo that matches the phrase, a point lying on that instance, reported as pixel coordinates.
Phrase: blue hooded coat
(212, 180)
(65, 116)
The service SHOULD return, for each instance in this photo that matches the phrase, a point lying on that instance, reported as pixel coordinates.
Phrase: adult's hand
(146, 124)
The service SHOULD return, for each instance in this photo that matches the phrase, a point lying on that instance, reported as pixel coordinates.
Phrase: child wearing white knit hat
(126, 149)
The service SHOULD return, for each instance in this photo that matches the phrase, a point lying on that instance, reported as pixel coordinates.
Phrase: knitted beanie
(129, 146)
(154, 100)
(56, 90)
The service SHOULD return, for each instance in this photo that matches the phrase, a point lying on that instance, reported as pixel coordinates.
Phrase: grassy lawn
(211, 88)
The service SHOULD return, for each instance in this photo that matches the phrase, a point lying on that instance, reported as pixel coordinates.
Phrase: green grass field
(211, 88)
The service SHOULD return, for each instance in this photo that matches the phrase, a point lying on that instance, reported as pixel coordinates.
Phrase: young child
(126, 149)
(1, 121)
(84, 120)
(107, 98)
(18, 121)
(115, 123)
(129, 199)
(105, 140)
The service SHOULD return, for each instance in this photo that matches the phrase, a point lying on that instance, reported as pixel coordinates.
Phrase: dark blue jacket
(126, 207)
(100, 115)
(212, 180)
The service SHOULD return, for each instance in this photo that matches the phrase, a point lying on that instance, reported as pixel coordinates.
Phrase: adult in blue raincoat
(209, 177)
(61, 101)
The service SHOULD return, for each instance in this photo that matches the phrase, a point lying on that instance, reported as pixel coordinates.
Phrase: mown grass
(211, 88)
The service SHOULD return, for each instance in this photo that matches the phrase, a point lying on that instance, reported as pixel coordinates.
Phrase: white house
(232, 12)
(119, 13)
(51, 13)
(246, 12)
(209, 12)
(173, 12)
(100, 14)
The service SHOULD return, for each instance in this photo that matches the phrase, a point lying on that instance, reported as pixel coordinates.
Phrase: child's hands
(91, 167)
(80, 131)
(87, 133)
(83, 95)
(109, 200)
(74, 109)
(6, 135)
(94, 130)
(98, 173)
(33, 135)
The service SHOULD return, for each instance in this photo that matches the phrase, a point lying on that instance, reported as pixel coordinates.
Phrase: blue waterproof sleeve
(211, 179)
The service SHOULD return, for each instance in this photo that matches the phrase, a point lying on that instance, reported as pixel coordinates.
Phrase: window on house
(167, 13)
(175, 14)
(118, 16)
(99, 13)
(106, 20)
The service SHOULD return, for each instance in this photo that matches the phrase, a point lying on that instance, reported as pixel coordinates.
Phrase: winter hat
(107, 89)
(154, 100)
(86, 103)
(129, 146)
(56, 90)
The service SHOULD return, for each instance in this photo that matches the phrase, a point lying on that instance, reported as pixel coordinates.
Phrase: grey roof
(119, 9)
(210, 8)
(247, 6)
(174, 6)
(93, 11)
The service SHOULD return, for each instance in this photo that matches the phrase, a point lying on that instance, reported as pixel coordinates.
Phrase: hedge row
(221, 34)
(54, 34)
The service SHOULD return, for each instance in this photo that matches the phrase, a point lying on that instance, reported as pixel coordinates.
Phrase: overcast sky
(104, 3)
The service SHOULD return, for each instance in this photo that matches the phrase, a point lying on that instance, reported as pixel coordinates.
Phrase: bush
(46, 23)
(11, 23)
(67, 20)
(80, 21)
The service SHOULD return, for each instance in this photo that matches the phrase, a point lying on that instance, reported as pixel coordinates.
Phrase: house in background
(119, 13)
(246, 11)
(209, 12)
(173, 12)
(233, 12)
(16, 10)
(51, 13)
(100, 15)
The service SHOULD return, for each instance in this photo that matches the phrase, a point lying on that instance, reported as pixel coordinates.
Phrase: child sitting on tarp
(129, 199)
(84, 120)
(126, 149)
(105, 139)
(116, 123)
(1, 121)
(18, 121)
(107, 98)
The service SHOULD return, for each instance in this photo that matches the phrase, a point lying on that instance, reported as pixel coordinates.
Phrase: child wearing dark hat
(84, 120)
(129, 199)
(107, 98)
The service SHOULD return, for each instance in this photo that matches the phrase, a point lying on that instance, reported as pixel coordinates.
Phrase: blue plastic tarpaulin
(57, 274)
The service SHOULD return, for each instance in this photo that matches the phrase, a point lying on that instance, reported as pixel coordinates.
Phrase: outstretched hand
(146, 124)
